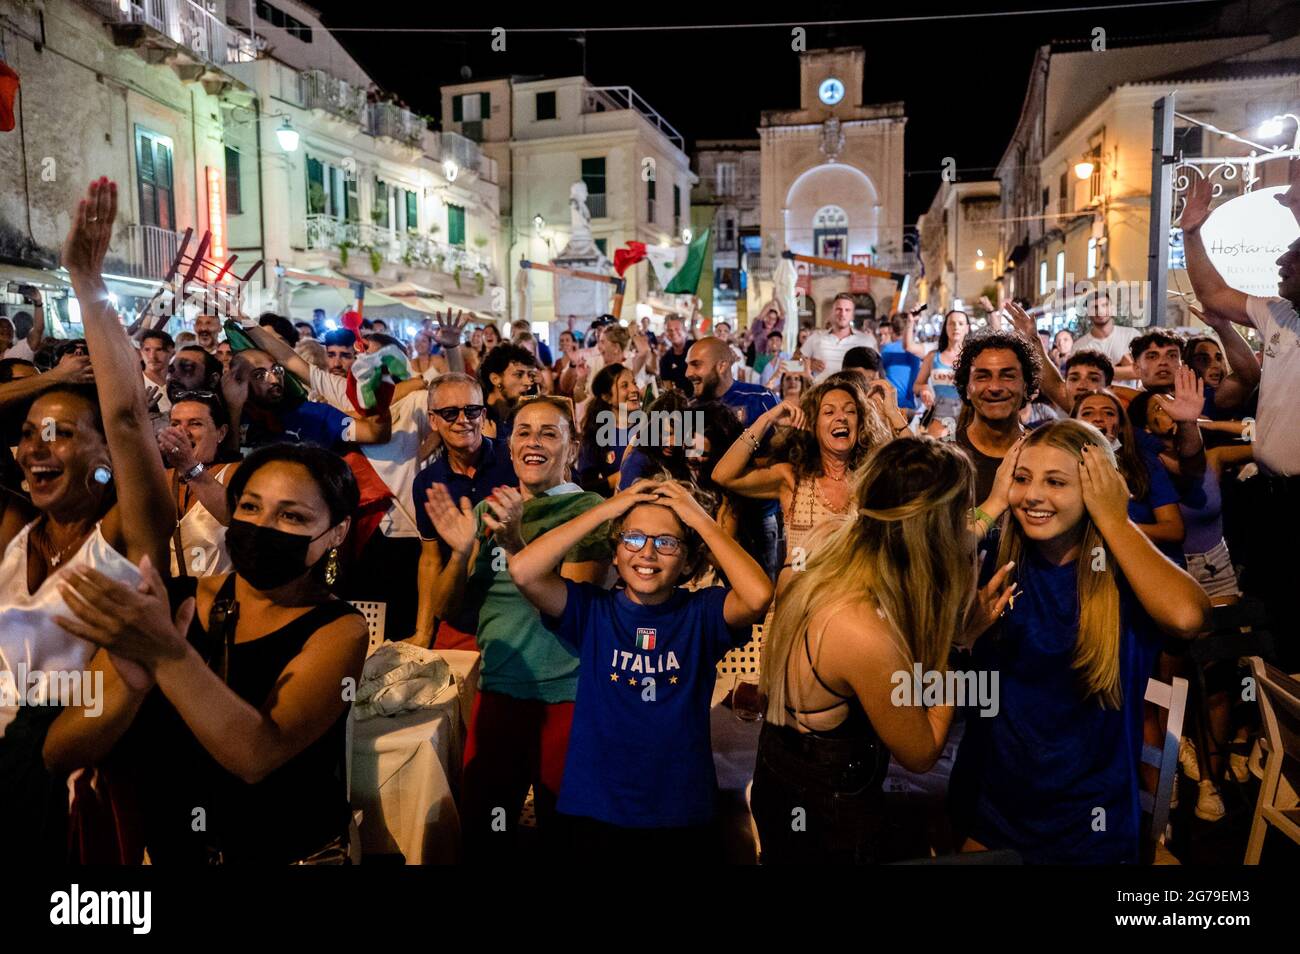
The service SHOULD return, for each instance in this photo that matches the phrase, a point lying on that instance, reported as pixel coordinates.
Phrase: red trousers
(513, 743)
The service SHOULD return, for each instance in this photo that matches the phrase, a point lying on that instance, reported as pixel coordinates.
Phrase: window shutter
(457, 112)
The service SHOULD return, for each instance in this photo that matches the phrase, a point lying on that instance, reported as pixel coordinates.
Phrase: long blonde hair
(907, 547)
(1096, 648)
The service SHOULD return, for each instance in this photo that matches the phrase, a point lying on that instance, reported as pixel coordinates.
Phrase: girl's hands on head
(505, 510)
(455, 525)
(997, 501)
(1105, 494)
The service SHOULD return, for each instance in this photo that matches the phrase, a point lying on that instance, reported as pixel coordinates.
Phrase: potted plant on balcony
(376, 259)
(480, 281)
(455, 275)
(345, 247)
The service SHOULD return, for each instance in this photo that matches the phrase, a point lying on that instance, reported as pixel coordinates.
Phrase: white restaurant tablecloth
(406, 771)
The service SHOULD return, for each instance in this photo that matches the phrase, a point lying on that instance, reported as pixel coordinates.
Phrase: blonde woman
(1054, 774)
(890, 589)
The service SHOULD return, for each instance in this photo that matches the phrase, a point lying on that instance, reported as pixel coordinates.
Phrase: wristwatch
(193, 472)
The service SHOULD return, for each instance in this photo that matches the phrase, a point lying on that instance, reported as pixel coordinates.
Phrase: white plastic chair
(1279, 706)
(375, 614)
(1165, 758)
(747, 658)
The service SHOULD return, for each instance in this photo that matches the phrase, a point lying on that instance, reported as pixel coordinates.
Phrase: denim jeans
(770, 557)
(819, 800)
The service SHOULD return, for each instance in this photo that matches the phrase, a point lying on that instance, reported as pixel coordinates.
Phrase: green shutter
(315, 187)
(412, 211)
(485, 106)
(456, 112)
(455, 225)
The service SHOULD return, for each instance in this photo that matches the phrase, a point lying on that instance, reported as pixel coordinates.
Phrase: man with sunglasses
(468, 465)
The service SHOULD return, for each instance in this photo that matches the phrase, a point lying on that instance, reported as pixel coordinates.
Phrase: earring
(332, 567)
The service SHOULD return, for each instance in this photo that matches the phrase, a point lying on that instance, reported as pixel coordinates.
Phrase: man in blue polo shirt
(708, 371)
(276, 415)
(468, 465)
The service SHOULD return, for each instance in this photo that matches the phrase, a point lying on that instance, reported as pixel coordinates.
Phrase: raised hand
(883, 392)
(998, 499)
(1189, 397)
(456, 526)
(1023, 321)
(1105, 494)
(92, 229)
(450, 331)
(991, 600)
(505, 510)
(786, 414)
(1197, 207)
(683, 504)
(234, 383)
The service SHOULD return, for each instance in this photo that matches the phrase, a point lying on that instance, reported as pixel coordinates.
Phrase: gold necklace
(55, 560)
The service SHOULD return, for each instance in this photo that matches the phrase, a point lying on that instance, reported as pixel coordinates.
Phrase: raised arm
(1051, 384)
(734, 470)
(73, 369)
(1214, 293)
(141, 522)
(536, 568)
(1170, 596)
(1185, 409)
(37, 335)
(1237, 387)
(910, 344)
(284, 356)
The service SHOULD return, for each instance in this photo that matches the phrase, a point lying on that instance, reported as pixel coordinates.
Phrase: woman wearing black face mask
(247, 716)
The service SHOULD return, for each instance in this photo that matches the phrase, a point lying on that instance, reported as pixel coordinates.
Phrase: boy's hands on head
(642, 491)
(683, 504)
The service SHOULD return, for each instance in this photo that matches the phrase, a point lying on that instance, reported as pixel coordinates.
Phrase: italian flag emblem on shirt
(645, 639)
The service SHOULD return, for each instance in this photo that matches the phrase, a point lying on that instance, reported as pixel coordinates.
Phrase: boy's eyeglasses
(450, 414)
(635, 542)
(274, 371)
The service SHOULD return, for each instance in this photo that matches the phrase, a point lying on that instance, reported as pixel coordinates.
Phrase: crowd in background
(191, 516)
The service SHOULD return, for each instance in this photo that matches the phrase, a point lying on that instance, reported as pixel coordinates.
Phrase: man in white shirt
(1277, 424)
(824, 350)
(1105, 336)
(28, 330)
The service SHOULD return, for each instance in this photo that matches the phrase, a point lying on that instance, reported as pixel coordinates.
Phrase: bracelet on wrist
(980, 516)
(193, 472)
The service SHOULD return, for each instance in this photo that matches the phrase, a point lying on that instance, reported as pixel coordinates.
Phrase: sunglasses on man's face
(192, 396)
(450, 414)
(635, 540)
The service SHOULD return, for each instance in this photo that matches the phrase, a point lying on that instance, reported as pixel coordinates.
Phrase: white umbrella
(783, 283)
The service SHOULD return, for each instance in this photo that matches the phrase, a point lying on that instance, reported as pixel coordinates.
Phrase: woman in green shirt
(519, 731)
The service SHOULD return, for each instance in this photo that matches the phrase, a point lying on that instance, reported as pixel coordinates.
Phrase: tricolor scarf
(368, 390)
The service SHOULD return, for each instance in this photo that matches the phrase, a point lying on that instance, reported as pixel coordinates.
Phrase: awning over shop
(44, 278)
(334, 294)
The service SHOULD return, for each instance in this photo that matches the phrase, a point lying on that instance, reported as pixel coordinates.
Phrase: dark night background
(963, 80)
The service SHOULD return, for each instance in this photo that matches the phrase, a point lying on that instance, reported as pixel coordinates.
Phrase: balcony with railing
(337, 97)
(151, 250)
(377, 245)
(608, 99)
(164, 28)
(394, 122)
(598, 204)
(460, 150)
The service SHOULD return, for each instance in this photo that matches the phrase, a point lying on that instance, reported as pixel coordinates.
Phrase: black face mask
(267, 558)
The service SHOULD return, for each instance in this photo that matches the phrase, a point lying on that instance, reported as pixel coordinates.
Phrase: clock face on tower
(831, 91)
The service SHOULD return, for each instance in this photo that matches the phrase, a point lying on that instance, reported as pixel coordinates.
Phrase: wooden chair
(1173, 698)
(1279, 705)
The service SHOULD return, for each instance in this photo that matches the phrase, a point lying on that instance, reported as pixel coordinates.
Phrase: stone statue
(579, 217)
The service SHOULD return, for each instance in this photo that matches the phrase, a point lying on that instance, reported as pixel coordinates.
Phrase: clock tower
(831, 82)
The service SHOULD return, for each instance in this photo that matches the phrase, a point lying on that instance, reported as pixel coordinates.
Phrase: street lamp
(1274, 126)
(538, 222)
(450, 170)
(687, 235)
(288, 136)
(1083, 170)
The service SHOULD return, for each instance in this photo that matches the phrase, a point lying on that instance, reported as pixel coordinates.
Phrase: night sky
(963, 80)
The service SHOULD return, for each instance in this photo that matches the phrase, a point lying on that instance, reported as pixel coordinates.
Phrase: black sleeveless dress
(196, 812)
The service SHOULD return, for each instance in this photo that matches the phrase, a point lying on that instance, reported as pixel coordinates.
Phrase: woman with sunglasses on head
(96, 499)
(519, 731)
(239, 710)
(190, 446)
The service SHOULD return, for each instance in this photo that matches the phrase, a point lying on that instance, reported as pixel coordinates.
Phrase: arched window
(831, 233)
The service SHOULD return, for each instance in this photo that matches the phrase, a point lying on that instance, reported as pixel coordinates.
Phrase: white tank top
(30, 640)
(203, 539)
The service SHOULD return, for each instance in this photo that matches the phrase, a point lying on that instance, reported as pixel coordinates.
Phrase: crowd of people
(190, 518)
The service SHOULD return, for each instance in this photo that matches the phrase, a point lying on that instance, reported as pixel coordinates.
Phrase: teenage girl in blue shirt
(1054, 774)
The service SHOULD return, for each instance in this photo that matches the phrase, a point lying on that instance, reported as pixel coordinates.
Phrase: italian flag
(367, 389)
(645, 639)
(678, 267)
